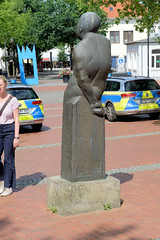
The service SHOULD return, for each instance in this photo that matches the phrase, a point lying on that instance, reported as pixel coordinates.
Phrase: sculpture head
(88, 22)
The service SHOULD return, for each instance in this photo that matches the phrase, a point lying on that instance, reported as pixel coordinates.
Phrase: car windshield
(141, 85)
(23, 93)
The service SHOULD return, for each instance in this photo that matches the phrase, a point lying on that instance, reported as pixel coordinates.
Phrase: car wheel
(110, 112)
(154, 115)
(36, 127)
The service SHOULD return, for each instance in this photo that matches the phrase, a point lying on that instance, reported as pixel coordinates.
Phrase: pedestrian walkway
(24, 215)
(132, 156)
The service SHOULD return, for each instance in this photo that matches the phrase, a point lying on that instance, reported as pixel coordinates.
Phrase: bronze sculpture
(83, 186)
(91, 63)
(83, 140)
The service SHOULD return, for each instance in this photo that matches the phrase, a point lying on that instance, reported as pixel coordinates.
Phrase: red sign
(45, 59)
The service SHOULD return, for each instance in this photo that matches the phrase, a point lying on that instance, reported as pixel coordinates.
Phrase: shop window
(114, 36)
(127, 36)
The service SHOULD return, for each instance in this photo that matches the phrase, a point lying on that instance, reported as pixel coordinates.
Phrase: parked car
(131, 95)
(31, 107)
(120, 74)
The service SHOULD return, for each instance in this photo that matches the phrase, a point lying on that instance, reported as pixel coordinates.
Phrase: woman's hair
(3, 78)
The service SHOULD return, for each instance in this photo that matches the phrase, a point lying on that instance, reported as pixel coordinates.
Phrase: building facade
(138, 54)
(119, 35)
(2, 64)
(126, 47)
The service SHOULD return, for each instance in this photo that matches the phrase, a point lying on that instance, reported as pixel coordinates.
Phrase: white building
(138, 55)
(129, 50)
(2, 64)
(119, 35)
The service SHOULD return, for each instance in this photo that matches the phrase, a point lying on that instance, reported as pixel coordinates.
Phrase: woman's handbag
(5, 104)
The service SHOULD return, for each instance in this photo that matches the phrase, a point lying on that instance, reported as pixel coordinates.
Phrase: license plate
(23, 111)
(148, 100)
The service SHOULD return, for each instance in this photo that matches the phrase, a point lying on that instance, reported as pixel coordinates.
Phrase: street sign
(120, 61)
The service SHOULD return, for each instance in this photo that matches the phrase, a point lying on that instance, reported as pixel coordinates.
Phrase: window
(152, 61)
(155, 58)
(158, 61)
(129, 60)
(115, 86)
(108, 84)
(111, 9)
(141, 85)
(127, 36)
(114, 62)
(114, 36)
(134, 60)
(23, 93)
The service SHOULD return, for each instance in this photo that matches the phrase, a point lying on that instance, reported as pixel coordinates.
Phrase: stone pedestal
(83, 141)
(70, 198)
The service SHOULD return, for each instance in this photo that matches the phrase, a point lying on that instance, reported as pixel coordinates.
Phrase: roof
(112, 10)
(127, 78)
(151, 40)
(17, 85)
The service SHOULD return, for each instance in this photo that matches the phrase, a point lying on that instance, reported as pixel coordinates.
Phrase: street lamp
(148, 53)
(5, 53)
(12, 56)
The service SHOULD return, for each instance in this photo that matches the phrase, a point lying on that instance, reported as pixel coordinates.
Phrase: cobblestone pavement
(132, 155)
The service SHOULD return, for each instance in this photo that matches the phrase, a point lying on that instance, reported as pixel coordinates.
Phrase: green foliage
(46, 23)
(7, 58)
(62, 57)
(14, 27)
(54, 22)
(107, 207)
(13, 23)
(145, 12)
(53, 210)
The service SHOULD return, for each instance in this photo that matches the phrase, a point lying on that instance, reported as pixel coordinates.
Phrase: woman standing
(9, 138)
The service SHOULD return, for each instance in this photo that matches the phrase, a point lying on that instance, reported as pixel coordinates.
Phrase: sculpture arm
(86, 70)
(85, 84)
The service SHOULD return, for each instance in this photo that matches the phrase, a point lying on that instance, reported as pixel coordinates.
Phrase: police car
(131, 95)
(31, 107)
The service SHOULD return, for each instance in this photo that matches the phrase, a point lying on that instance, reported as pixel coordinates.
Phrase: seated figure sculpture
(83, 133)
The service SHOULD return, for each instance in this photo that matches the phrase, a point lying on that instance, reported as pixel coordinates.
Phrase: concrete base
(78, 197)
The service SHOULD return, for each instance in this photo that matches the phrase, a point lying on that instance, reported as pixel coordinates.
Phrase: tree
(145, 12)
(54, 22)
(13, 27)
(67, 14)
(62, 57)
(46, 23)
(41, 29)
